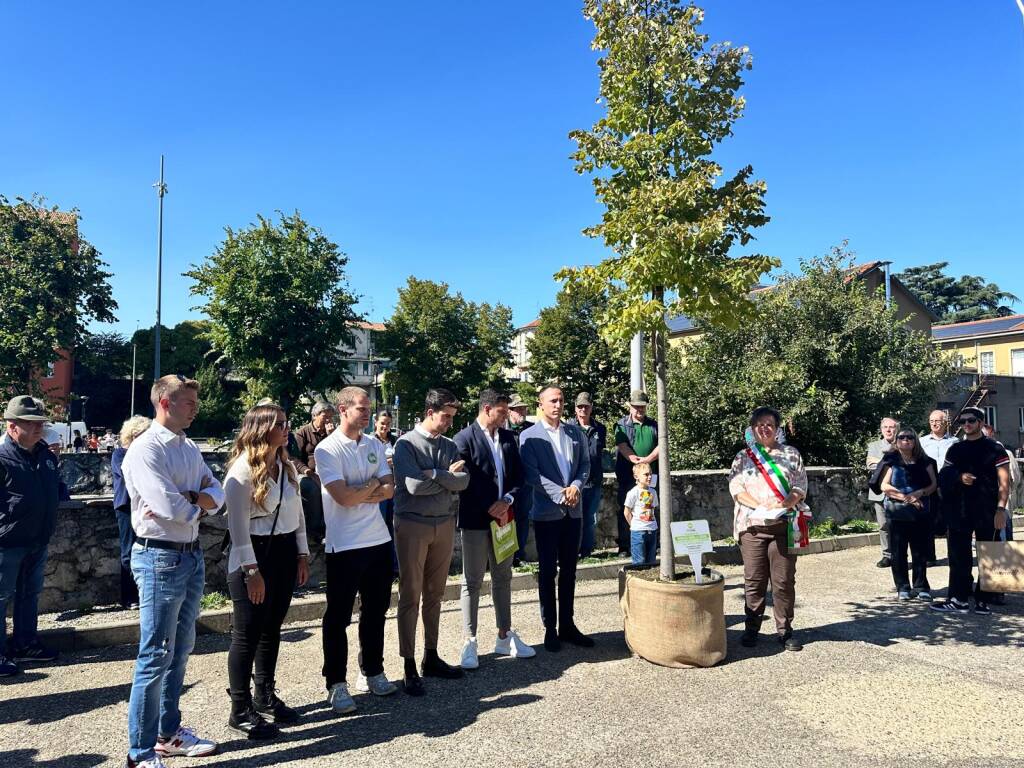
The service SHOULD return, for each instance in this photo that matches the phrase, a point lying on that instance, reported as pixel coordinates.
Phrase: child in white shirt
(641, 512)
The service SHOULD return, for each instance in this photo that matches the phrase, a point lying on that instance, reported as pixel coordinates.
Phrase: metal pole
(636, 362)
(135, 349)
(161, 190)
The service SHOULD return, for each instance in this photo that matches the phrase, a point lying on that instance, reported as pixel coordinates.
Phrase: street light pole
(161, 190)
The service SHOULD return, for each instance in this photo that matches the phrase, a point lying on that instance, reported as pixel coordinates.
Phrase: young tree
(436, 338)
(54, 286)
(829, 355)
(956, 300)
(568, 347)
(670, 98)
(279, 305)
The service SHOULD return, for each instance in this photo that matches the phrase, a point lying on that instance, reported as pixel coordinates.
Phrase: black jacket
(597, 438)
(28, 495)
(482, 490)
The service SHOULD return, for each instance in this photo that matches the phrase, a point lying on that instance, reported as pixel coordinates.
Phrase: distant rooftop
(988, 327)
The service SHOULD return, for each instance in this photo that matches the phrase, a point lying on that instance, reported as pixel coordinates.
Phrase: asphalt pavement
(879, 683)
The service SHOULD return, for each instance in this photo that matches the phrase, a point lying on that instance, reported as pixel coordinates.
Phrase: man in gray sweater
(428, 478)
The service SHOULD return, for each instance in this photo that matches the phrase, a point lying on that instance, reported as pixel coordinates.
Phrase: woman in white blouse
(269, 556)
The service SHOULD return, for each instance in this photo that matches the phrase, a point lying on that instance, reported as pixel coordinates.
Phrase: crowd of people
(386, 507)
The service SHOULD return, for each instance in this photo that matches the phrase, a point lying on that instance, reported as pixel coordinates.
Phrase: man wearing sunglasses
(975, 483)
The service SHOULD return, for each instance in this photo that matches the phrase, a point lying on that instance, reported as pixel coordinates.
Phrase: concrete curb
(311, 607)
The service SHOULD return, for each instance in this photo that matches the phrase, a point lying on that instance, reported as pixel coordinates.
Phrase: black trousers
(256, 629)
(367, 572)
(558, 544)
(961, 558)
(622, 537)
(917, 534)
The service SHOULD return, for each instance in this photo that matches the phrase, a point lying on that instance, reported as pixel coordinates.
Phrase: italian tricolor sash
(797, 533)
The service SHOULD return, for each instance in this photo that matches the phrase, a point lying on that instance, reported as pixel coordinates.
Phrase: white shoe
(340, 700)
(470, 660)
(185, 743)
(378, 685)
(511, 645)
(153, 762)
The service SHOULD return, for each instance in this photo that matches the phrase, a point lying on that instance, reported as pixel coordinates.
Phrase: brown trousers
(765, 557)
(424, 556)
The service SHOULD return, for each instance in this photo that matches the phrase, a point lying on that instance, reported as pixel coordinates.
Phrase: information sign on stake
(692, 538)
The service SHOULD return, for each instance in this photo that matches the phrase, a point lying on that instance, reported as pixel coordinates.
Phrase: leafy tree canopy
(436, 338)
(184, 349)
(279, 305)
(568, 348)
(832, 358)
(55, 285)
(956, 300)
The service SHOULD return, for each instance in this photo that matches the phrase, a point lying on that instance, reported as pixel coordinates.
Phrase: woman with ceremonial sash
(768, 484)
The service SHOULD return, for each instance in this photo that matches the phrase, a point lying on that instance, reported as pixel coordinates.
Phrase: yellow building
(992, 347)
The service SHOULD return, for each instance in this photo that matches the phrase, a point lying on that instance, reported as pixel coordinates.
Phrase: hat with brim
(638, 398)
(517, 402)
(26, 408)
(972, 411)
(583, 398)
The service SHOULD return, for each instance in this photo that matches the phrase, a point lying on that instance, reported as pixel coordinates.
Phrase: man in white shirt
(935, 444)
(170, 488)
(355, 478)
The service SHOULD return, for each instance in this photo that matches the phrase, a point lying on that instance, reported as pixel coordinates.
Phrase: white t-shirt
(642, 502)
(354, 463)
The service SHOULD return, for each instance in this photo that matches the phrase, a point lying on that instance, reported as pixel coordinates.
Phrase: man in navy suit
(495, 474)
(556, 464)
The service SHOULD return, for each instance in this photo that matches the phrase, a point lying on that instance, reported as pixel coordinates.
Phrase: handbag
(504, 540)
(226, 542)
(1001, 566)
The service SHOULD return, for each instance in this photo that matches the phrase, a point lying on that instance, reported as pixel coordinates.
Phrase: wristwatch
(248, 571)
(508, 498)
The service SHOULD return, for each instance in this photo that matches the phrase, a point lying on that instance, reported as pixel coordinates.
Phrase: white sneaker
(340, 700)
(378, 685)
(511, 645)
(470, 660)
(153, 762)
(185, 743)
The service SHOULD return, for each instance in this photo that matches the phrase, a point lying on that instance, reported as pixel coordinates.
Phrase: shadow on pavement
(448, 707)
(53, 707)
(25, 758)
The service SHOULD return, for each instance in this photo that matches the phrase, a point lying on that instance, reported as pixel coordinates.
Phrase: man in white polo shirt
(355, 478)
(170, 488)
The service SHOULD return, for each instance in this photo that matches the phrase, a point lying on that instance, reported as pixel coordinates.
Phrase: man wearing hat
(517, 422)
(975, 483)
(636, 438)
(597, 436)
(28, 515)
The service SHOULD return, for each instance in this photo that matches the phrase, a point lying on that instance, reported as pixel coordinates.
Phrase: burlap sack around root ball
(677, 624)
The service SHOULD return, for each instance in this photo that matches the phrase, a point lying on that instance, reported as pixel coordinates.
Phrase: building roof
(995, 325)
(529, 326)
(368, 326)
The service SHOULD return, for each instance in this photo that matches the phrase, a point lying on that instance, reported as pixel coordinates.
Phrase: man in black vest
(28, 515)
(636, 438)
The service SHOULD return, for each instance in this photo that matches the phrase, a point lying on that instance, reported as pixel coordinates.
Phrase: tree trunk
(664, 465)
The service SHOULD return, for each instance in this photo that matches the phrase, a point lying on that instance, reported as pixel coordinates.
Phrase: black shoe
(788, 642)
(251, 723)
(271, 706)
(982, 608)
(413, 685)
(885, 562)
(997, 599)
(551, 641)
(575, 637)
(749, 638)
(435, 666)
(36, 652)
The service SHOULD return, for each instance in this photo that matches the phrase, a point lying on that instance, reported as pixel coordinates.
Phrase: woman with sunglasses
(269, 556)
(908, 476)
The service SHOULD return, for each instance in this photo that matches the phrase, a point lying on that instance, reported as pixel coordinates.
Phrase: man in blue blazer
(556, 464)
(495, 475)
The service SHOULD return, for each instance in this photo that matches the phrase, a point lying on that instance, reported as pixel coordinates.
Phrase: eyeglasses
(905, 437)
(969, 420)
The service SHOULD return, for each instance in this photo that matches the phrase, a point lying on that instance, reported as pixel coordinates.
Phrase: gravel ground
(879, 683)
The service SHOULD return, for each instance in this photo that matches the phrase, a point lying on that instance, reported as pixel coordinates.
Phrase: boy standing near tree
(640, 511)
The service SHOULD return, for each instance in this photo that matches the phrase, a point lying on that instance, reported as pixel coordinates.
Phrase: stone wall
(83, 565)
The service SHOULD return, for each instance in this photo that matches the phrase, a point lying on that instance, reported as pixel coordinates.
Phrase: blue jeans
(21, 577)
(591, 503)
(126, 538)
(170, 587)
(643, 546)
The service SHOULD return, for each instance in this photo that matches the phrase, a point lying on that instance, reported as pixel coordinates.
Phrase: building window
(51, 368)
(990, 414)
(1017, 362)
(366, 369)
(1020, 419)
(988, 362)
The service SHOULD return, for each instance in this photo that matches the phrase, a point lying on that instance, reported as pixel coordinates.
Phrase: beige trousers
(424, 556)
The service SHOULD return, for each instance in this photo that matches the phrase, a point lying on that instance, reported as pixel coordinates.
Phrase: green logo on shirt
(372, 458)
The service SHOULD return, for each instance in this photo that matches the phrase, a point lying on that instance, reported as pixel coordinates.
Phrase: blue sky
(431, 138)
